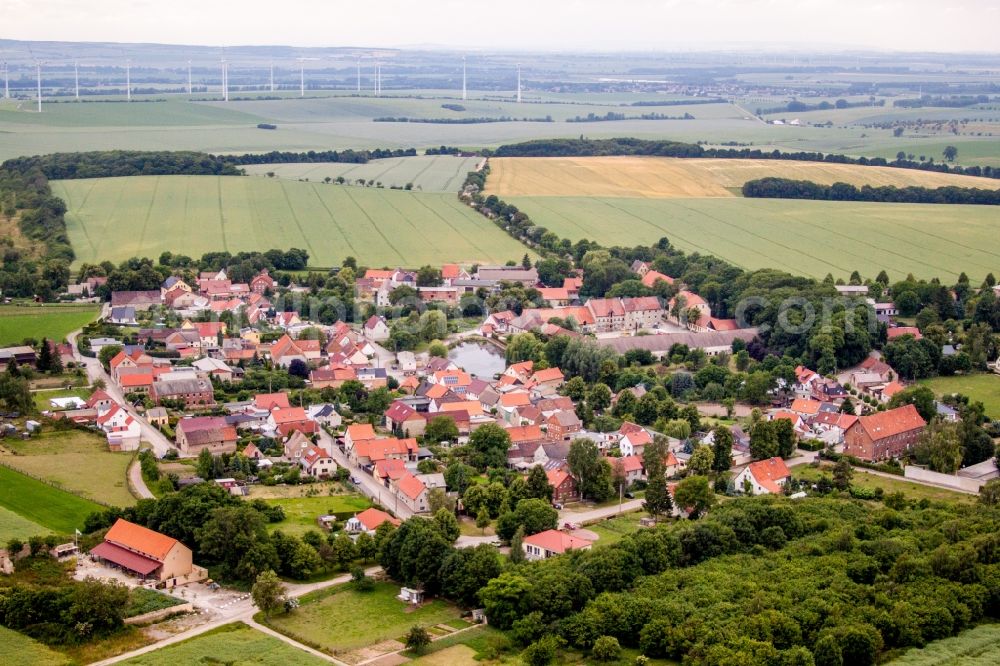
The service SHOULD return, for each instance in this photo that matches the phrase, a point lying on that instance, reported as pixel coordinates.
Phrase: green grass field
(340, 619)
(428, 173)
(976, 647)
(301, 512)
(76, 461)
(914, 491)
(14, 526)
(37, 321)
(117, 218)
(18, 650)
(805, 237)
(982, 387)
(614, 530)
(54, 509)
(233, 644)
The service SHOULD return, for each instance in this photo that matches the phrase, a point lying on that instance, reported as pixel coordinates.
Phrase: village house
(262, 283)
(194, 391)
(551, 543)
(205, 432)
(369, 521)
(147, 554)
(295, 446)
(357, 433)
(122, 430)
(376, 329)
(317, 463)
(285, 420)
(405, 420)
(412, 492)
(563, 485)
(563, 425)
(885, 434)
(764, 477)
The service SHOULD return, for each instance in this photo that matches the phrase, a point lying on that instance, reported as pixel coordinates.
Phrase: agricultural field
(982, 387)
(975, 647)
(118, 218)
(673, 178)
(53, 509)
(810, 238)
(74, 460)
(18, 322)
(340, 620)
(14, 526)
(16, 649)
(427, 173)
(235, 644)
(301, 512)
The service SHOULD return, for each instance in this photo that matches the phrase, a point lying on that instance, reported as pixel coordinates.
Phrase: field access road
(241, 611)
(136, 481)
(594, 515)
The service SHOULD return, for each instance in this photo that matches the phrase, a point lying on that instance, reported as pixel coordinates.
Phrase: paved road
(137, 482)
(96, 371)
(368, 486)
(594, 515)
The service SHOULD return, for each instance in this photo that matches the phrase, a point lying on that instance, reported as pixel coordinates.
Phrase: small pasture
(52, 508)
(427, 173)
(18, 322)
(983, 387)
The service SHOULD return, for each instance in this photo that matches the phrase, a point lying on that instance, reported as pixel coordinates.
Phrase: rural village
(545, 396)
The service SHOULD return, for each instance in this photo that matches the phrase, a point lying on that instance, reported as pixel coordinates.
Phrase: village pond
(482, 360)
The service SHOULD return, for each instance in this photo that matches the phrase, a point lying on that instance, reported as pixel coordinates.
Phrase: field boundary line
(449, 224)
(374, 226)
(222, 213)
(51, 484)
(149, 213)
(333, 219)
(295, 219)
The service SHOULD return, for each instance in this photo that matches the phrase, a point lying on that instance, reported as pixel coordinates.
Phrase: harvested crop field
(118, 218)
(670, 178)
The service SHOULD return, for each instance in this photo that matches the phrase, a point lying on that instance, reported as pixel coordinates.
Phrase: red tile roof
(891, 422)
(411, 486)
(269, 401)
(554, 541)
(652, 277)
(360, 431)
(527, 433)
(900, 331)
(372, 518)
(140, 539)
(769, 472)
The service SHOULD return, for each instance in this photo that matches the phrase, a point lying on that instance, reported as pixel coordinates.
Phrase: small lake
(483, 361)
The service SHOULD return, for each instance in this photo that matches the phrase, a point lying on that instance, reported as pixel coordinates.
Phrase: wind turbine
(128, 80)
(6, 81)
(359, 73)
(76, 78)
(225, 79)
(272, 76)
(519, 83)
(463, 79)
(302, 74)
(189, 77)
(38, 73)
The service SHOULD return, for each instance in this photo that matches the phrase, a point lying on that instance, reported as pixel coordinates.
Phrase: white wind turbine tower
(76, 78)
(359, 74)
(519, 83)
(128, 80)
(225, 79)
(302, 74)
(189, 77)
(463, 79)
(6, 81)
(38, 74)
(272, 76)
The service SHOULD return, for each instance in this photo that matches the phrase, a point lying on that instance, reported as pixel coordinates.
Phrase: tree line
(787, 188)
(631, 146)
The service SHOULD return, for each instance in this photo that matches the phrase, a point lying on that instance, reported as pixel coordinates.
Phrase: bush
(606, 648)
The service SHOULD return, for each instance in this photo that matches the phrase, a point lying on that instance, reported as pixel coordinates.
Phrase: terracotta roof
(400, 411)
(769, 472)
(892, 388)
(641, 304)
(557, 477)
(411, 486)
(627, 463)
(900, 331)
(472, 407)
(567, 419)
(125, 558)
(140, 539)
(554, 293)
(723, 324)
(606, 307)
(393, 468)
(377, 274)
(289, 415)
(555, 541)
(313, 454)
(515, 399)
(360, 431)
(652, 277)
(450, 271)
(372, 518)
(805, 406)
(138, 379)
(691, 299)
(547, 375)
(269, 401)
(525, 433)
(891, 422)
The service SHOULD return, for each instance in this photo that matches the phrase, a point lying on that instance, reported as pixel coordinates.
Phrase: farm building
(147, 554)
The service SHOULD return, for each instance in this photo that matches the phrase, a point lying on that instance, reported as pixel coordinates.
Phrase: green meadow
(236, 644)
(54, 509)
(983, 387)
(118, 218)
(427, 173)
(18, 322)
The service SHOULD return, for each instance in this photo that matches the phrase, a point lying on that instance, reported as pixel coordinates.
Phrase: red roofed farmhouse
(552, 542)
(205, 432)
(765, 477)
(369, 521)
(147, 554)
(885, 434)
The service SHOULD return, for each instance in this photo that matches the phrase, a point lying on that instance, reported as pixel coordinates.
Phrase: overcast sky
(911, 25)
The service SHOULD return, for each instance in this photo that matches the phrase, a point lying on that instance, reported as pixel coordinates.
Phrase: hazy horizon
(966, 26)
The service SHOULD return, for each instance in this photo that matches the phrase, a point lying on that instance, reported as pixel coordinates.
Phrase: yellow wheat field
(673, 178)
